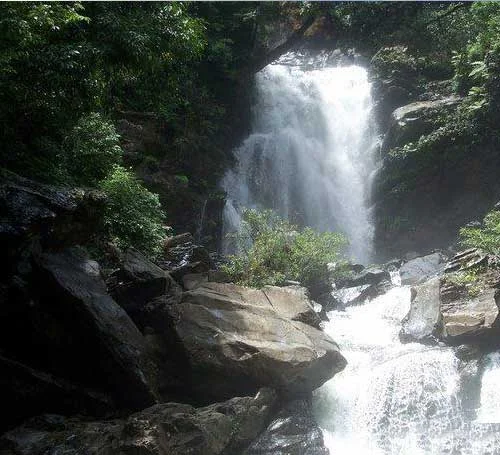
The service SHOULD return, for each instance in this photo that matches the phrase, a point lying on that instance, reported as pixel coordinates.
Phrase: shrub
(271, 251)
(486, 237)
(92, 149)
(133, 214)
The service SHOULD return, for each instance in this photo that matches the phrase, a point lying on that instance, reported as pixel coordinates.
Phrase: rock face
(53, 216)
(413, 120)
(293, 431)
(236, 342)
(423, 322)
(421, 268)
(104, 338)
(164, 429)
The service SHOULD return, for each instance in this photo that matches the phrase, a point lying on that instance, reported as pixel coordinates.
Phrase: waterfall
(310, 156)
(396, 398)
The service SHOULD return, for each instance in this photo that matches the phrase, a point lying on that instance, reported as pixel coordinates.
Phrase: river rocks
(164, 429)
(423, 322)
(95, 333)
(421, 268)
(293, 431)
(236, 342)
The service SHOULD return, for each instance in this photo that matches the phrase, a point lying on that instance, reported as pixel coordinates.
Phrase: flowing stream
(311, 158)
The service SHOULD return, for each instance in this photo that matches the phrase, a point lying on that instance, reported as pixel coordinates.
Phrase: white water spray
(311, 154)
(401, 399)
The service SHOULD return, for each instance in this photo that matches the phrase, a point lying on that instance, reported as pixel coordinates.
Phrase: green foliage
(133, 214)
(469, 280)
(92, 149)
(486, 237)
(272, 251)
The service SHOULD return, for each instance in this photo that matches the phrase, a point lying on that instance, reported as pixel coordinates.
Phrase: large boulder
(423, 322)
(88, 335)
(164, 429)
(293, 431)
(236, 342)
(421, 268)
(137, 282)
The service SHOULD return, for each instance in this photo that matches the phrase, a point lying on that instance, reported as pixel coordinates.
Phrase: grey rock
(423, 322)
(421, 268)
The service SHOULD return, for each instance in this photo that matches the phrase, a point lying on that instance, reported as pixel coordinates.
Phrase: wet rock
(418, 270)
(354, 295)
(236, 342)
(293, 431)
(95, 339)
(423, 323)
(164, 429)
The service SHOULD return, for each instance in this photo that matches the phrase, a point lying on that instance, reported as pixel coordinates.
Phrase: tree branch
(261, 62)
(448, 12)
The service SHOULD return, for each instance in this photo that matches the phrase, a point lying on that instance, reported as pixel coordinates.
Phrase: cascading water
(311, 154)
(402, 399)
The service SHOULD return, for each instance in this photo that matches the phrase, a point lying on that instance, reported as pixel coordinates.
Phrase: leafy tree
(133, 214)
(92, 149)
(271, 251)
